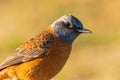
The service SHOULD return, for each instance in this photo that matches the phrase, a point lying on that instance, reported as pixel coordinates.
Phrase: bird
(44, 55)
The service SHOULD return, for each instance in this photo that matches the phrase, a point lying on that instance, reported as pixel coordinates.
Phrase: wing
(20, 56)
(32, 49)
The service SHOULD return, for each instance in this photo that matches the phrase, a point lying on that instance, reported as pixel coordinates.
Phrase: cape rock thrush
(44, 55)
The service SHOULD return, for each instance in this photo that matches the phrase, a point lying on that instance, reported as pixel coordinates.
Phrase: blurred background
(93, 57)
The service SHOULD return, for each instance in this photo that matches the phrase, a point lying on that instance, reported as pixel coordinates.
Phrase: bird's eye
(67, 24)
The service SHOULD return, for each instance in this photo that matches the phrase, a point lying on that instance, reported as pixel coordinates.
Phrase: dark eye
(68, 24)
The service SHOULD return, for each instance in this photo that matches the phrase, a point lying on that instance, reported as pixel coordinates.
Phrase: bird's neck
(66, 36)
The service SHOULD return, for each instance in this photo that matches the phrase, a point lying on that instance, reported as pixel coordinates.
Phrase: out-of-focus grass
(94, 57)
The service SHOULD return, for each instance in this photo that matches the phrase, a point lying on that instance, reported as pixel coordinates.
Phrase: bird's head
(67, 28)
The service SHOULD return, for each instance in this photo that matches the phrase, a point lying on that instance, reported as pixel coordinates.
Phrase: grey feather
(19, 56)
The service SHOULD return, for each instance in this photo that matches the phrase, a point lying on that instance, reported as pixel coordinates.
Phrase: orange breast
(48, 66)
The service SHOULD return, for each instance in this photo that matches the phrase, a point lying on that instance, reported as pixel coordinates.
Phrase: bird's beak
(84, 31)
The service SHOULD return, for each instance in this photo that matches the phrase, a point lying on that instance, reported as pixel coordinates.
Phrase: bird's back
(47, 65)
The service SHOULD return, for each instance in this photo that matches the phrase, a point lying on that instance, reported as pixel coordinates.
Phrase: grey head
(68, 27)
